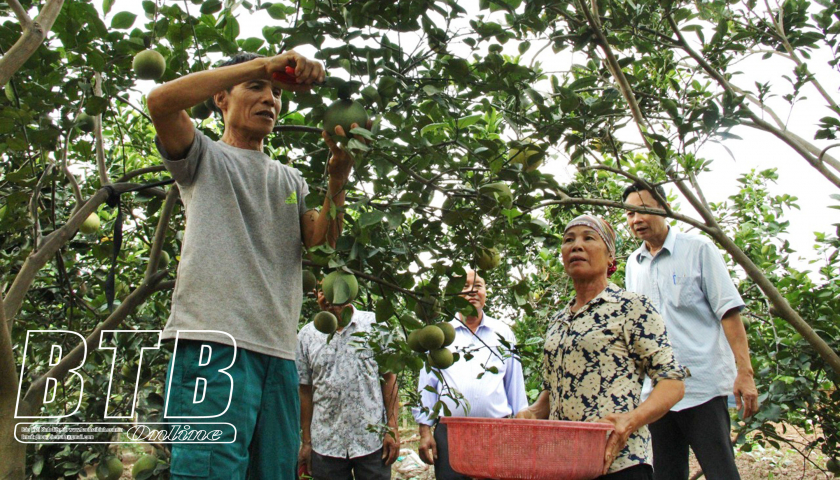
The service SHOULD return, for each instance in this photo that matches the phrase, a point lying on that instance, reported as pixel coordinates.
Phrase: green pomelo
(522, 155)
(441, 358)
(344, 113)
(487, 258)
(340, 288)
(163, 260)
(201, 111)
(427, 308)
(85, 122)
(10, 92)
(499, 191)
(448, 333)
(310, 282)
(90, 225)
(149, 65)
(431, 337)
(325, 322)
(345, 318)
(144, 466)
(413, 342)
(110, 469)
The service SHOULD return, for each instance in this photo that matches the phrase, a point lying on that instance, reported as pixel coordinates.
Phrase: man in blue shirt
(485, 393)
(686, 279)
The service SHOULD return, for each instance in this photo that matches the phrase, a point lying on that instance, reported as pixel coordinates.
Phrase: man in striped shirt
(487, 375)
(686, 279)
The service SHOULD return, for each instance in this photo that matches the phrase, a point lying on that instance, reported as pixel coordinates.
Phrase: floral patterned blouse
(596, 359)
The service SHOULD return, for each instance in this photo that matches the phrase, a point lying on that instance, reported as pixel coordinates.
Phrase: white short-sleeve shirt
(689, 284)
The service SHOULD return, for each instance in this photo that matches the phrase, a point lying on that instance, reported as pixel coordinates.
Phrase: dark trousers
(639, 472)
(705, 428)
(367, 467)
(443, 471)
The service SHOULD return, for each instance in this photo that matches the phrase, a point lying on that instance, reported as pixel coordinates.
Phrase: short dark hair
(639, 187)
(240, 57)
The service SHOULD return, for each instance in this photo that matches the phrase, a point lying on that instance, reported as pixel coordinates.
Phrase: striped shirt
(488, 394)
(689, 284)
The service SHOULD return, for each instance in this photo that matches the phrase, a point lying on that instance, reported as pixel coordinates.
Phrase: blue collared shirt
(689, 284)
(486, 394)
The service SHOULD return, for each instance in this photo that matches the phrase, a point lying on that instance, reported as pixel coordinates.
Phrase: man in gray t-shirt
(240, 269)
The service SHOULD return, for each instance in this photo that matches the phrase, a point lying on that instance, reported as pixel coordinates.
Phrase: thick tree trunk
(33, 36)
(13, 453)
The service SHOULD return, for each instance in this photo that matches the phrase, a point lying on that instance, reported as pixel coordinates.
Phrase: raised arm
(168, 103)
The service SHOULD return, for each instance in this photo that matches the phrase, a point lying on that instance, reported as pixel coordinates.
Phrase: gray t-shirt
(240, 268)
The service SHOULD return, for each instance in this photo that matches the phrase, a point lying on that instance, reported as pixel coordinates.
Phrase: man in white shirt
(686, 279)
(341, 394)
(491, 382)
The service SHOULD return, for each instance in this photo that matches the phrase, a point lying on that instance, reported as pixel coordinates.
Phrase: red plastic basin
(517, 449)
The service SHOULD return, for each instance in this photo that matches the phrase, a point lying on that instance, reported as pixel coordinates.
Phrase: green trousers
(264, 409)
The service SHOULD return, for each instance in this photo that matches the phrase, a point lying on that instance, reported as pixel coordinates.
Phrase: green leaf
(95, 105)
(371, 218)
(210, 7)
(660, 151)
(277, 11)
(106, 9)
(341, 292)
(362, 132)
(123, 20)
(465, 122)
(252, 44)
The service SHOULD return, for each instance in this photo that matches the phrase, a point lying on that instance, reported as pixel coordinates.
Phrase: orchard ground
(760, 463)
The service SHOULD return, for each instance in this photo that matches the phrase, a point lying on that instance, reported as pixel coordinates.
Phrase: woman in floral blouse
(598, 351)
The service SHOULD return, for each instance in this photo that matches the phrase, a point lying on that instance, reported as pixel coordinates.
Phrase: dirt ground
(759, 464)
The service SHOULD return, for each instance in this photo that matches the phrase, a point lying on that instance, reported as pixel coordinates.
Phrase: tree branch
(33, 205)
(20, 13)
(135, 107)
(140, 171)
(780, 30)
(760, 123)
(617, 73)
(74, 185)
(97, 134)
(51, 244)
(160, 232)
(32, 37)
(35, 394)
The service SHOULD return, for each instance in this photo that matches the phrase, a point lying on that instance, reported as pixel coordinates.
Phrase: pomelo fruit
(144, 466)
(85, 122)
(523, 154)
(413, 342)
(109, 469)
(487, 258)
(10, 92)
(498, 191)
(338, 295)
(431, 337)
(163, 260)
(344, 113)
(441, 358)
(325, 322)
(309, 281)
(427, 308)
(201, 111)
(149, 65)
(448, 333)
(90, 225)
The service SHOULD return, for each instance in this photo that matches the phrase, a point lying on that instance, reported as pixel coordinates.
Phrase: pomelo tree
(458, 91)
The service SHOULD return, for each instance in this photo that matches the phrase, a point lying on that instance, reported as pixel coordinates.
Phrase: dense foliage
(455, 97)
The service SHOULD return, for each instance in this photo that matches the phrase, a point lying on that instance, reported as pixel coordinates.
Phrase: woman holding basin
(598, 350)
